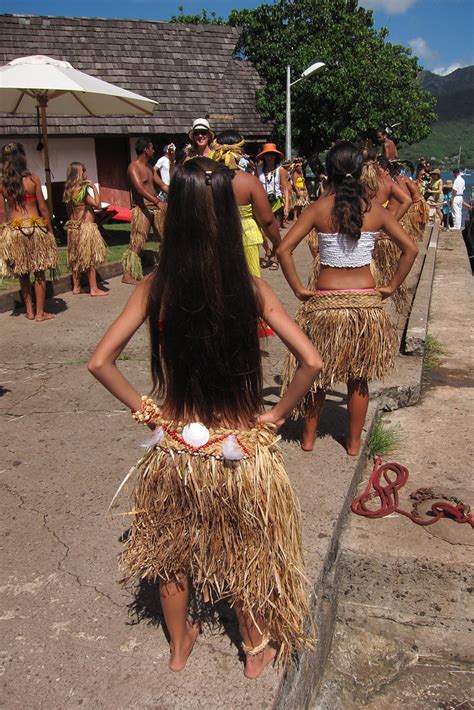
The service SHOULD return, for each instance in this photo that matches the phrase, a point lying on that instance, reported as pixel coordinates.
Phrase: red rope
(387, 491)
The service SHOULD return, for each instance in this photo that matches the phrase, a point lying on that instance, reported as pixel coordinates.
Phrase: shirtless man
(148, 211)
(389, 149)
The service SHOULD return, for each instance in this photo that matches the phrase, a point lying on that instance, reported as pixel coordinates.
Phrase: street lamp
(310, 70)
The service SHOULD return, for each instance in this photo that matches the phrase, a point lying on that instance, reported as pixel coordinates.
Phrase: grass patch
(117, 239)
(384, 440)
(433, 353)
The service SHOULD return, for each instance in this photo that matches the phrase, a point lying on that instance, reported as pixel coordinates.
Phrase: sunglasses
(200, 133)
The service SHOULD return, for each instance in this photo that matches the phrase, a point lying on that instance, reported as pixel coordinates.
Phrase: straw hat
(436, 171)
(448, 183)
(201, 124)
(269, 148)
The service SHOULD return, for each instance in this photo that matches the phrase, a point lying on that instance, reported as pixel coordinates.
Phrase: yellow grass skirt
(142, 222)
(27, 246)
(233, 526)
(354, 335)
(383, 266)
(85, 246)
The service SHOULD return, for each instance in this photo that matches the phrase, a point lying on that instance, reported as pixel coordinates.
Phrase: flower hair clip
(208, 178)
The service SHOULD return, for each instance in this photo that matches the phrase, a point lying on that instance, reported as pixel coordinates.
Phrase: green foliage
(384, 440)
(367, 84)
(204, 18)
(433, 353)
(443, 144)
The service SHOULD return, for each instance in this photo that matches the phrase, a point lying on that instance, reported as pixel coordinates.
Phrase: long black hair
(14, 170)
(203, 311)
(344, 168)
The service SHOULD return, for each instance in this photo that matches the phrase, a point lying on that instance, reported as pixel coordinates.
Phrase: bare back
(29, 208)
(141, 173)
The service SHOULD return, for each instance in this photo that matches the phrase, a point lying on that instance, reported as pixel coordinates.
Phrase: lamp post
(310, 70)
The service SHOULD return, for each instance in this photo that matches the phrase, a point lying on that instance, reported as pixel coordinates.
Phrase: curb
(415, 336)
(9, 300)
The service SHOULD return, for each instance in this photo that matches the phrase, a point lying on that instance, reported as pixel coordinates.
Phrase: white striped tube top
(341, 251)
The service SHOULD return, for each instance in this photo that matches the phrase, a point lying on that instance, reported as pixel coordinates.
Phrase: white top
(163, 165)
(459, 185)
(270, 181)
(341, 251)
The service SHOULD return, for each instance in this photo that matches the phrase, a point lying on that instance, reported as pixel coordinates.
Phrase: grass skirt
(85, 246)
(142, 222)
(232, 526)
(354, 335)
(411, 221)
(383, 266)
(27, 246)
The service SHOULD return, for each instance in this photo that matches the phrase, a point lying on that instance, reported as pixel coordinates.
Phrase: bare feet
(255, 665)
(127, 279)
(98, 292)
(76, 291)
(30, 316)
(353, 446)
(308, 439)
(179, 658)
(44, 316)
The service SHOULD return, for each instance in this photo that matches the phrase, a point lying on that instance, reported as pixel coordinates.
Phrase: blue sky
(439, 31)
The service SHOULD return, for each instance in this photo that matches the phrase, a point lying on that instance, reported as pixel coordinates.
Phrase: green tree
(204, 18)
(368, 82)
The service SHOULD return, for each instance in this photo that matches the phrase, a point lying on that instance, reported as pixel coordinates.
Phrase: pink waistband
(323, 291)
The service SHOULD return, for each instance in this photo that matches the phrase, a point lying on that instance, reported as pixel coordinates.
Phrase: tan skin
(201, 140)
(410, 187)
(319, 216)
(32, 208)
(389, 148)
(398, 200)
(248, 190)
(84, 212)
(103, 365)
(142, 180)
(436, 193)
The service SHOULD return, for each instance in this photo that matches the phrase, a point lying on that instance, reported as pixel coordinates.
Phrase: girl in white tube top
(344, 316)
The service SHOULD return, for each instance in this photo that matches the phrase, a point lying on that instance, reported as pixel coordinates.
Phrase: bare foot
(98, 292)
(308, 440)
(127, 279)
(30, 316)
(44, 316)
(76, 291)
(177, 660)
(353, 446)
(255, 665)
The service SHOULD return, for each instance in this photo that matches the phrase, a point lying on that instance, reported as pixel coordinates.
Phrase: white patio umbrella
(28, 83)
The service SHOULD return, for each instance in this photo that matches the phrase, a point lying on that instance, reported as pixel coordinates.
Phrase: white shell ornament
(195, 434)
(231, 449)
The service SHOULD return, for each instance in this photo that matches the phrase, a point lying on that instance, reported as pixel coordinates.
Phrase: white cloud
(395, 7)
(444, 71)
(423, 50)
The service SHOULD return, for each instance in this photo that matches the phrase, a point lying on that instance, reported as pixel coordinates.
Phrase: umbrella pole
(42, 103)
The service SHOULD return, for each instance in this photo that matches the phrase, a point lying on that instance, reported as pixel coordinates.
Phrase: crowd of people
(212, 501)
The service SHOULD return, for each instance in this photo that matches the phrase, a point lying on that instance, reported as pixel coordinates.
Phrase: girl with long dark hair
(86, 249)
(212, 500)
(343, 316)
(27, 245)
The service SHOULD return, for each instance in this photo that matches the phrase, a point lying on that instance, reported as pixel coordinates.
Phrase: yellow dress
(252, 237)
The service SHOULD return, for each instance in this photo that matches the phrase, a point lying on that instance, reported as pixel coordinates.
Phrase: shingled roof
(188, 69)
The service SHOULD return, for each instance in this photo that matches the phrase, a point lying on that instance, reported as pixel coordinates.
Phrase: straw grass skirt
(85, 246)
(27, 246)
(354, 335)
(233, 526)
(152, 217)
(383, 266)
(412, 221)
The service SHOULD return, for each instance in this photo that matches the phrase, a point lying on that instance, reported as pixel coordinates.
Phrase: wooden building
(189, 69)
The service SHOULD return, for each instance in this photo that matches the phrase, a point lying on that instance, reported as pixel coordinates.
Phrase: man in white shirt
(164, 167)
(457, 199)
